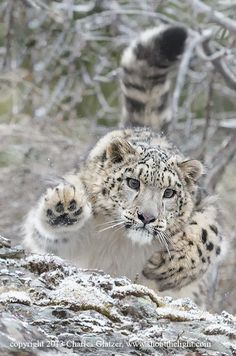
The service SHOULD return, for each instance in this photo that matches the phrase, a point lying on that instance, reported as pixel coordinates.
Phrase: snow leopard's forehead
(154, 167)
(156, 155)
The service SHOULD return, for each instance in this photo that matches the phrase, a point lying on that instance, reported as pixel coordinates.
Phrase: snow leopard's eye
(133, 183)
(169, 193)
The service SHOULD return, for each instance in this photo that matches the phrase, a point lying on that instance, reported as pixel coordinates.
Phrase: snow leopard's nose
(146, 218)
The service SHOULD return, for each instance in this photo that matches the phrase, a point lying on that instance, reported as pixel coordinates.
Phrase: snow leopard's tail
(145, 83)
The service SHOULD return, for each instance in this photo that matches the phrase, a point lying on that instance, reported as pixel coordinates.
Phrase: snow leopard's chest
(110, 251)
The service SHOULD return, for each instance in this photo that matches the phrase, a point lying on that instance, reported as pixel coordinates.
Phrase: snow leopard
(132, 209)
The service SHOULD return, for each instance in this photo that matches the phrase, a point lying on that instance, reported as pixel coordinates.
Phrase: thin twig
(9, 33)
(221, 66)
(212, 57)
(209, 106)
(213, 15)
(220, 161)
(183, 69)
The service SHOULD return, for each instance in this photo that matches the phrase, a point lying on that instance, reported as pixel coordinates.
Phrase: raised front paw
(65, 205)
(172, 271)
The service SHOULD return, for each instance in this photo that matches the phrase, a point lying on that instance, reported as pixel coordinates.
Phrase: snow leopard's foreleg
(58, 216)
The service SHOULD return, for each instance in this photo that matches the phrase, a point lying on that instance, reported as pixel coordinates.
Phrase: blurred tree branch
(66, 55)
(213, 15)
(9, 33)
(219, 162)
(192, 43)
(220, 65)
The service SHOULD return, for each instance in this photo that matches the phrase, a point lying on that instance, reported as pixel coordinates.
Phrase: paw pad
(59, 207)
(72, 205)
(78, 212)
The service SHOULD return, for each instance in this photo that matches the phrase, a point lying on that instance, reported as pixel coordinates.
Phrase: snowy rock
(49, 307)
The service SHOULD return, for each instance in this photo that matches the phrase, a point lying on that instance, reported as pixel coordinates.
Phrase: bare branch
(221, 66)
(9, 24)
(209, 106)
(220, 161)
(213, 15)
(212, 57)
(183, 69)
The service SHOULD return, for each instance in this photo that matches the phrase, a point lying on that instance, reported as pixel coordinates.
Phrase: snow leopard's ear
(118, 149)
(191, 169)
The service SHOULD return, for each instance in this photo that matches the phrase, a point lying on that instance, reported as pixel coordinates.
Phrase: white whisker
(167, 238)
(111, 227)
(166, 244)
(162, 239)
(119, 228)
(110, 222)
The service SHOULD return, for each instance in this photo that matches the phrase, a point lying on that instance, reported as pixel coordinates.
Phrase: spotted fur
(132, 208)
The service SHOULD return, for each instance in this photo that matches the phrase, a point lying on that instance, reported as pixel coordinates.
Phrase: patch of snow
(15, 297)
(47, 259)
(185, 303)
(70, 291)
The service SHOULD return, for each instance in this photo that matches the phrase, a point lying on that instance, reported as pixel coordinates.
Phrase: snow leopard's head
(145, 190)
